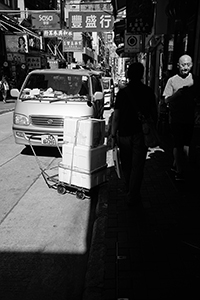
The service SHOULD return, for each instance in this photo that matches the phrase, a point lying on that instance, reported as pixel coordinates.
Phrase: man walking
(180, 94)
(127, 129)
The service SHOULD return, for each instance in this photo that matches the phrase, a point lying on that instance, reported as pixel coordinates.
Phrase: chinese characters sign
(93, 6)
(139, 16)
(58, 33)
(33, 62)
(90, 21)
(69, 45)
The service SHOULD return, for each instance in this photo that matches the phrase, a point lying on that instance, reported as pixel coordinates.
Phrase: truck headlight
(21, 120)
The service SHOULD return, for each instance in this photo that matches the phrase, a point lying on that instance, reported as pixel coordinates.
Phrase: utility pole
(62, 4)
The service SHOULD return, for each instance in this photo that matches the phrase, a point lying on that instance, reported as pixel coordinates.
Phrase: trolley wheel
(61, 189)
(80, 195)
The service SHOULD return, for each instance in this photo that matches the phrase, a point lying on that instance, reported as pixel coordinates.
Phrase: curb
(7, 107)
(94, 280)
(6, 110)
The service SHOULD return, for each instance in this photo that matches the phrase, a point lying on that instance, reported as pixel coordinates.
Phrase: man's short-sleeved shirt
(176, 82)
(182, 107)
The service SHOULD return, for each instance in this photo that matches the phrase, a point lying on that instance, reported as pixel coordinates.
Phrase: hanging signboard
(16, 58)
(57, 33)
(132, 43)
(140, 16)
(33, 62)
(45, 20)
(90, 21)
(97, 7)
(70, 46)
(53, 63)
(16, 43)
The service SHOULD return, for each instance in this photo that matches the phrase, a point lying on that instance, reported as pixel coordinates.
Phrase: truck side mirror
(98, 96)
(14, 93)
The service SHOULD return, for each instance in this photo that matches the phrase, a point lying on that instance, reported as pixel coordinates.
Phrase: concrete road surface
(44, 236)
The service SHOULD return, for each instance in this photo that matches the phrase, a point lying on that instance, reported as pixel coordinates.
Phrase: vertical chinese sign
(90, 21)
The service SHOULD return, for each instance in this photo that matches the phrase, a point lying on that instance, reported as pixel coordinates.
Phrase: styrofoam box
(81, 158)
(79, 179)
(84, 131)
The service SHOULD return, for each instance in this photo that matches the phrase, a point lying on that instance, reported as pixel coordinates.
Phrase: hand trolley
(53, 180)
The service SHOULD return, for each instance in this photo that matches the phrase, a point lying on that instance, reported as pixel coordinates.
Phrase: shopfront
(21, 51)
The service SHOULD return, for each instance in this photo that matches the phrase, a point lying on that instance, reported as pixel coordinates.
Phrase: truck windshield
(55, 86)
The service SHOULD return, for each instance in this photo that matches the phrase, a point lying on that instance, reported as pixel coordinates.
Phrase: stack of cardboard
(83, 152)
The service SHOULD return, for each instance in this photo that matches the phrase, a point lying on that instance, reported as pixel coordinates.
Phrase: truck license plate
(49, 140)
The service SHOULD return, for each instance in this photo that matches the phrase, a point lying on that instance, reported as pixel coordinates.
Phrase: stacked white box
(83, 152)
(87, 132)
(83, 159)
(81, 179)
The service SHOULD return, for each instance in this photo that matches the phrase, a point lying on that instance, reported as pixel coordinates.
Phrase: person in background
(127, 132)
(122, 83)
(4, 87)
(180, 94)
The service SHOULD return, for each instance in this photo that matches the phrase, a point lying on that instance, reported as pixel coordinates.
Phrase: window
(96, 84)
(58, 84)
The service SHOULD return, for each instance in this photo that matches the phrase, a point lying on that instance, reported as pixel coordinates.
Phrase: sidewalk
(152, 252)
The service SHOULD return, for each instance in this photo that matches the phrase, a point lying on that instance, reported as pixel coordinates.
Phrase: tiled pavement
(153, 252)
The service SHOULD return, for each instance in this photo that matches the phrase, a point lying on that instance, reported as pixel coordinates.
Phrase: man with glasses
(180, 94)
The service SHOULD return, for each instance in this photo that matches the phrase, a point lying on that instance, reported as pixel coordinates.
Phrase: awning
(10, 25)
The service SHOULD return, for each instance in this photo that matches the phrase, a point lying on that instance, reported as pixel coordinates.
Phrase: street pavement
(8, 106)
(152, 251)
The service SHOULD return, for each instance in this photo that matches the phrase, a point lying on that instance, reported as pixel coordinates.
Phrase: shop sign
(132, 43)
(89, 7)
(90, 21)
(70, 46)
(16, 58)
(45, 20)
(140, 16)
(98, 7)
(58, 33)
(53, 63)
(33, 62)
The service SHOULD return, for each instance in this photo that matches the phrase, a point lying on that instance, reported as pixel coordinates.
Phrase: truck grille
(47, 121)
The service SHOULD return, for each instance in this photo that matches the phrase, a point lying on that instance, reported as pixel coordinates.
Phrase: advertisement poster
(16, 43)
